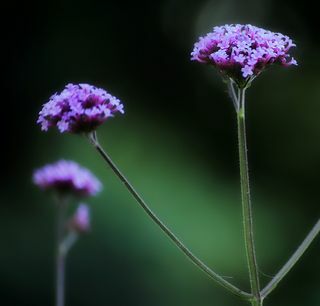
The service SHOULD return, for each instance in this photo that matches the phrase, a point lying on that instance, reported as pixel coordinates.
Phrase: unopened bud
(80, 222)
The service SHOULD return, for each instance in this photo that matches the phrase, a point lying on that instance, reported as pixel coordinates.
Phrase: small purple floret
(243, 51)
(78, 109)
(80, 221)
(67, 177)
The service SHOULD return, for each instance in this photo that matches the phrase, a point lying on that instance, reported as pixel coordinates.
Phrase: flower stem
(233, 95)
(68, 242)
(60, 256)
(256, 302)
(246, 201)
(215, 276)
(292, 261)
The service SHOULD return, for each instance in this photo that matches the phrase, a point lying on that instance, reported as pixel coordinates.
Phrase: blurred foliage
(176, 143)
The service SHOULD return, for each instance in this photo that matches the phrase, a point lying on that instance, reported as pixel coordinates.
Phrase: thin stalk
(215, 276)
(246, 202)
(233, 95)
(292, 261)
(60, 256)
(60, 280)
(68, 242)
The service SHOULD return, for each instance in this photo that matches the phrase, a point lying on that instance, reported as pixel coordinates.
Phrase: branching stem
(215, 276)
(292, 261)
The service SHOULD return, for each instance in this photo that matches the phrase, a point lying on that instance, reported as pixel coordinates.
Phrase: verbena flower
(78, 109)
(241, 52)
(80, 221)
(67, 177)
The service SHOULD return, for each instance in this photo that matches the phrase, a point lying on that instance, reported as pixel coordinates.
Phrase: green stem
(257, 302)
(232, 94)
(292, 261)
(60, 256)
(216, 277)
(246, 201)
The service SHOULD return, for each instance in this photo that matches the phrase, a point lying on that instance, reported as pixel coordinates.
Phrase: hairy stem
(246, 201)
(216, 277)
(292, 261)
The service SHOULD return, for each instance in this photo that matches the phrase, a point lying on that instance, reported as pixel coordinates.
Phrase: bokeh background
(177, 144)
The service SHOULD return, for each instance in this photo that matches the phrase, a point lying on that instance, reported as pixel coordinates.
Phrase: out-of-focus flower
(78, 109)
(241, 52)
(67, 177)
(80, 221)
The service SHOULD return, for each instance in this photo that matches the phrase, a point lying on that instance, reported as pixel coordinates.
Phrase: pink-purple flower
(78, 108)
(67, 177)
(241, 52)
(80, 221)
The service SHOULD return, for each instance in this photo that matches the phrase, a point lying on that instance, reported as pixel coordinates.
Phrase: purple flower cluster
(243, 51)
(78, 109)
(67, 177)
(80, 221)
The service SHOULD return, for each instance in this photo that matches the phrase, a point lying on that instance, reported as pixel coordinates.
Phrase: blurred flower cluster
(67, 177)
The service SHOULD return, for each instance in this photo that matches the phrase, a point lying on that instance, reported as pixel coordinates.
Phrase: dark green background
(177, 144)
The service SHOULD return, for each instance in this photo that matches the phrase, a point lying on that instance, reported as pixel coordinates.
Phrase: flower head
(80, 221)
(67, 177)
(78, 109)
(241, 52)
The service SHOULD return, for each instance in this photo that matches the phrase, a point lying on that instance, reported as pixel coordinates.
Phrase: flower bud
(80, 221)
